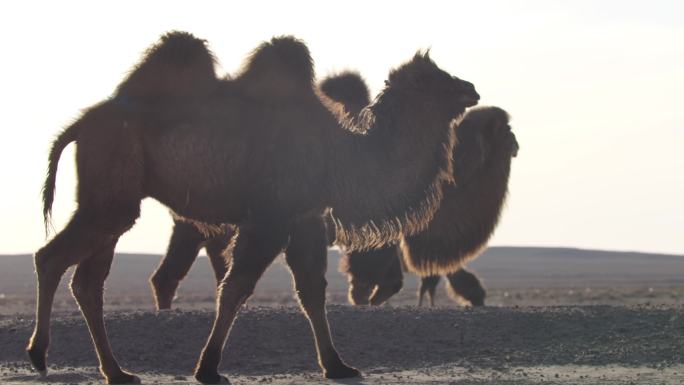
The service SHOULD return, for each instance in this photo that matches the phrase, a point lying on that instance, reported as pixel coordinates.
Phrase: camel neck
(388, 181)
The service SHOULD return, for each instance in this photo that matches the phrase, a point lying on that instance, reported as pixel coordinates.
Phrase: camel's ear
(413, 75)
(422, 55)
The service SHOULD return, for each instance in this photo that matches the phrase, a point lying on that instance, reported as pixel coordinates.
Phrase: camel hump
(279, 68)
(349, 89)
(178, 65)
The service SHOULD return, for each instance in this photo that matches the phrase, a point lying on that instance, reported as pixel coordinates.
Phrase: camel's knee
(160, 280)
(49, 266)
(42, 263)
(86, 290)
(241, 287)
(79, 290)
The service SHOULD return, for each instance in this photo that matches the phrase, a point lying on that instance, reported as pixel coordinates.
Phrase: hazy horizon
(593, 89)
(575, 250)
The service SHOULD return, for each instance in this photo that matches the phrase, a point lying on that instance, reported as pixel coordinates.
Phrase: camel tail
(65, 137)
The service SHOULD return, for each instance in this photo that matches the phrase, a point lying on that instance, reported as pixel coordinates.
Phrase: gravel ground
(555, 316)
(391, 345)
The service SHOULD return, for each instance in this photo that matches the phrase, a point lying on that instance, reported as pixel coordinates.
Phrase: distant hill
(500, 267)
(561, 267)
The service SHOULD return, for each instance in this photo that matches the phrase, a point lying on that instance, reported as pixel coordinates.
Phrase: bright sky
(594, 88)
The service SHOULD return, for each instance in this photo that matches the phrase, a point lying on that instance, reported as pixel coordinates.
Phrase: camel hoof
(342, 371)
(212, 379)
(164, 304)
(37, 359)
(123, 378)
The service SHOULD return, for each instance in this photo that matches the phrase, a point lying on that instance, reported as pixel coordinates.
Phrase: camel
(460, 228)
(260, 150)
(348, 89)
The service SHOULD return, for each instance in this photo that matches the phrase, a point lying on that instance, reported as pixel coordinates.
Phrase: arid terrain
(555, 316)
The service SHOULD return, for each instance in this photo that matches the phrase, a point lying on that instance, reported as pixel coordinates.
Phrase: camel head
(359, 291)
(495, 131)
(485, 131)
(422, 78)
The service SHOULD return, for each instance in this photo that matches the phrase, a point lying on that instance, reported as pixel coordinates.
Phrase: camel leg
(391, 283)
(110, 173)
(87, 286)
(432, 287)
(255, 249)
(219, 254)
(307, 258)
(85, 237)
(428, 285)
(70, 246)
(184, 245)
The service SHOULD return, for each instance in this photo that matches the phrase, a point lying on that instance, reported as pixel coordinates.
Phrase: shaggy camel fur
(471, 209)
(348, 89)
(461, 227)
(261, 150)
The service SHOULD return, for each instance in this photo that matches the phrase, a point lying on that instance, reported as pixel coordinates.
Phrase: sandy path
(391, 345)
